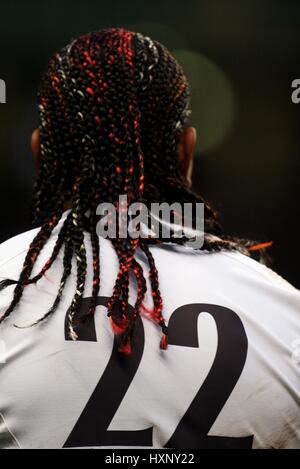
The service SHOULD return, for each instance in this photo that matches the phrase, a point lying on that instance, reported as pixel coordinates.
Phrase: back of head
(112, 105)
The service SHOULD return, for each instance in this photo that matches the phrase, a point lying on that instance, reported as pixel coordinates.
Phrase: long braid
(33, 252)
(58, 245)
(125, 339)
(96, 262)
(81, 260)
(156, 313)
(67, 264)
(112, 107)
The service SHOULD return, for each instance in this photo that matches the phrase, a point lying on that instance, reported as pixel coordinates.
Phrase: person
(135, 341)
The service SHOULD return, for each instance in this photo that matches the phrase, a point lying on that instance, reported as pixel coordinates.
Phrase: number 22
(91, 429)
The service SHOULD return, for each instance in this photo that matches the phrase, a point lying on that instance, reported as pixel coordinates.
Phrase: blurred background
(240, 58)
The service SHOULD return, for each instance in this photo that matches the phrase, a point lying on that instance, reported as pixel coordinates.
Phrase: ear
(185, 152)
(35, 146)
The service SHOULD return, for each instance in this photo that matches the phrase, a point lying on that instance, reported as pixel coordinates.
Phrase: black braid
(67, 264)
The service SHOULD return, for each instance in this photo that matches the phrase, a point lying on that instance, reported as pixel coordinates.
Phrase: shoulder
(259, 270)
(221, 267)
(16, 246)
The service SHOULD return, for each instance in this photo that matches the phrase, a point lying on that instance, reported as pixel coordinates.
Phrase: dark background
(240, 56)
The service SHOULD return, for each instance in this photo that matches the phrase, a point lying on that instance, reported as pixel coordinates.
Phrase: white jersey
(230, 377)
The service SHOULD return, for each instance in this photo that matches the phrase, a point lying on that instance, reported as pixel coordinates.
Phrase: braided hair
(112, 107)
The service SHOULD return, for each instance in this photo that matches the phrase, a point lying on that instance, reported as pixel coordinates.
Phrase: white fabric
(46, 381)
